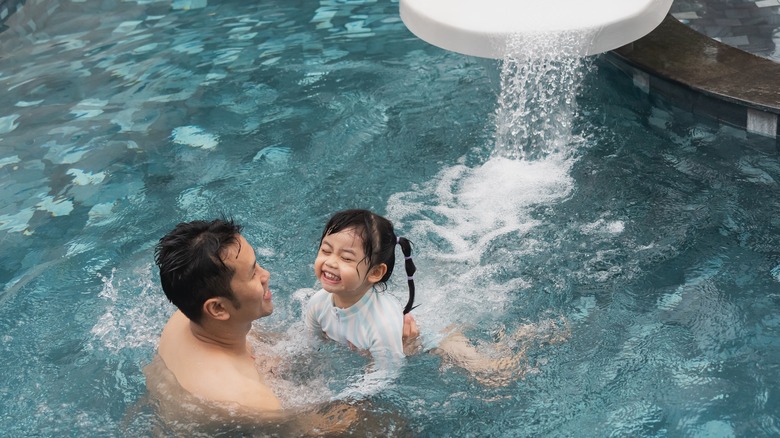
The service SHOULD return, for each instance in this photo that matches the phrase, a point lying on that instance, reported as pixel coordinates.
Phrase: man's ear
(215, 308)
(377, 272)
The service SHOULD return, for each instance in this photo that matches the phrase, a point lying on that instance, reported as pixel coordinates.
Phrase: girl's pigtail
(406, 248)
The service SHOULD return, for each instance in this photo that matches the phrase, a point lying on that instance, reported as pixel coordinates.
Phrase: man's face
(249, 283)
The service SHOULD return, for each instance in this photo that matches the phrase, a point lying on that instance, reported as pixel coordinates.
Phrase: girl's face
(342, 268)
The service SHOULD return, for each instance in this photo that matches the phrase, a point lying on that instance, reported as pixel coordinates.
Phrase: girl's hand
(411, 336)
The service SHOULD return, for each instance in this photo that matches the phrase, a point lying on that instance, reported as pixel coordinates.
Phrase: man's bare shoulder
(211, 374)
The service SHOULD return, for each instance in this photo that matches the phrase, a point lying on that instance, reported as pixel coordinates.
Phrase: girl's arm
(313, 309)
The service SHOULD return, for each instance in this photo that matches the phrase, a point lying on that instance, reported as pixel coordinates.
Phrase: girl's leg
(504, 361)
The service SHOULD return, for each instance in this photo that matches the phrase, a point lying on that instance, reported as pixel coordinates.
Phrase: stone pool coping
(704, 76)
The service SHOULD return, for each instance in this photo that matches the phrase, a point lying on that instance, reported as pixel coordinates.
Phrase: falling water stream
(540, 79)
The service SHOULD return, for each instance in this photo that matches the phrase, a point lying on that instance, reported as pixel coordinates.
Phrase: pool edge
(705, 77)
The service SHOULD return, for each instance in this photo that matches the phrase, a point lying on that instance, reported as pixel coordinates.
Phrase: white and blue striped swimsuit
(375, 323)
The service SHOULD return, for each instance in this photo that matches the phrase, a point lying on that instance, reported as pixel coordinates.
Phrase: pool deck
(705, 76)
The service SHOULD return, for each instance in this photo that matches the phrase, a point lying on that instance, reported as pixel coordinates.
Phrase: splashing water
(134, 315)
(540, 78)
(474, 224)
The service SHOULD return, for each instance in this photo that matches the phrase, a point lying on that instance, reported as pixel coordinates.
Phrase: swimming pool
(656, 235)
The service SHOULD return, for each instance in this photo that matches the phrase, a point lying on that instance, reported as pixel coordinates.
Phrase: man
(210, 273)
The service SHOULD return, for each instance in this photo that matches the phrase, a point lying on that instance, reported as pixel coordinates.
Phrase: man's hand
(411, 336)
(332, 420)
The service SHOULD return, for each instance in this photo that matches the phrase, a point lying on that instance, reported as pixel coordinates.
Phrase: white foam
(480, 204)
(135, 312)
(194, 136)
(265, 252)
(458, 216)
(602, 226)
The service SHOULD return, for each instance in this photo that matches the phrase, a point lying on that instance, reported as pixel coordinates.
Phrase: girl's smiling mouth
(330, 277)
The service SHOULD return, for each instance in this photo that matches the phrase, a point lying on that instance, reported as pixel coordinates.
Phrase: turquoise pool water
(655, 235)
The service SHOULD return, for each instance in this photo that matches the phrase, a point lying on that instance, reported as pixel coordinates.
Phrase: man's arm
(333, 420)
(250, 394)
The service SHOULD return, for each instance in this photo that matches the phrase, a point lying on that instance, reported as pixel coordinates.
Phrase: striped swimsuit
(375, 323)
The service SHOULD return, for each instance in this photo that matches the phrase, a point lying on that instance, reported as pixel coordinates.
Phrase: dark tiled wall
(722, 109)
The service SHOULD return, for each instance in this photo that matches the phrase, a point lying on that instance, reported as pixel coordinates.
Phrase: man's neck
(223, 336)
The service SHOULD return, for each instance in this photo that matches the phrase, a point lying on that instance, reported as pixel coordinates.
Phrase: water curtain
(541, 74)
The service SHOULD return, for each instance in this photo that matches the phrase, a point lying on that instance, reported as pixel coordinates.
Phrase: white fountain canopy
(484, 28)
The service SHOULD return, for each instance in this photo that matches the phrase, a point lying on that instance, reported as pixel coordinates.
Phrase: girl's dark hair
(379, 242)
(192, 270)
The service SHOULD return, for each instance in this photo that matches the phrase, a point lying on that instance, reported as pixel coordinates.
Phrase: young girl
(355, 259)
(354, 262)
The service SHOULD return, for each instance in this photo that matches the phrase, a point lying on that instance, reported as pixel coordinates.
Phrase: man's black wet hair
(379, 242)
(192, 267)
